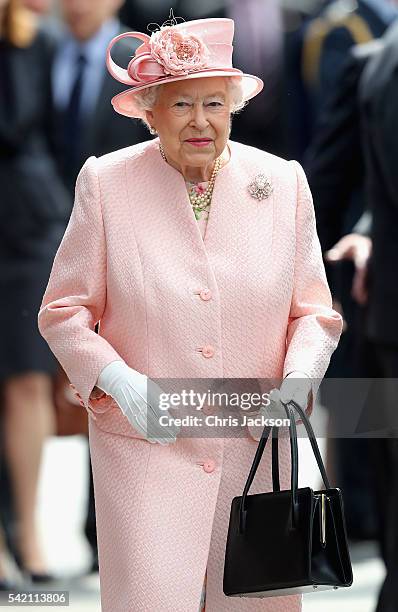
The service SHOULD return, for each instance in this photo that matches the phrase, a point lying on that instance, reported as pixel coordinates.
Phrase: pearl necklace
(201, 201)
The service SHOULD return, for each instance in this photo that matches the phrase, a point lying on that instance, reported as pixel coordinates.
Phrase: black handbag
(291, 541)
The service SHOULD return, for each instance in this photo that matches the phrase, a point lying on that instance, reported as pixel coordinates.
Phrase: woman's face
(192, 118)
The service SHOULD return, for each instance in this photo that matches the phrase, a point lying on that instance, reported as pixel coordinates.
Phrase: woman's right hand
(129, 389)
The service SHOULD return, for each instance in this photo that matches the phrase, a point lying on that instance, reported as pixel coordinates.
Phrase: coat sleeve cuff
(93, 399)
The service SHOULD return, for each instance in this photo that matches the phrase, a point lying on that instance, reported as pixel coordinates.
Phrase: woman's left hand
(296, 386)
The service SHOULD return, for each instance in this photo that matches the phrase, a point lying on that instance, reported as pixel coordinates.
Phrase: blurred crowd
(331, 88)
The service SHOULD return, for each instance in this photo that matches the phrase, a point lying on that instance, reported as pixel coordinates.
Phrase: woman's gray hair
(146, 98)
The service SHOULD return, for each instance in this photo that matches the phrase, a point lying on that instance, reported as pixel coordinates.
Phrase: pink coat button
(209, 466)
(205, 294)
(208, 350)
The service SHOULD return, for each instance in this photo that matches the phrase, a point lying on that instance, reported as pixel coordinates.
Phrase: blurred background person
(379, 125)
(83, 122)
(332, 66)
(360, 152)
(321, 48)
(298, 17)
(5, 582)
(34, 205)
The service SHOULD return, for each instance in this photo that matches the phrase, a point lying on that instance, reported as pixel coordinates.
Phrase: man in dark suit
(379, 121)
(373, 114)
(327, 39)
(335, 169)
(334, 161)
(83, 120)
(378, 103)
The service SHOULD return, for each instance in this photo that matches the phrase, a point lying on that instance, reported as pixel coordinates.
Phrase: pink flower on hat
(177, 52)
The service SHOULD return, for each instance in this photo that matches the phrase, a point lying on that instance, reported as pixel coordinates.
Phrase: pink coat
(250, 300)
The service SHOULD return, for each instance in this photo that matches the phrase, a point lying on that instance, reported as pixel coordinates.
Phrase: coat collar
(224, 178)
(230, 187)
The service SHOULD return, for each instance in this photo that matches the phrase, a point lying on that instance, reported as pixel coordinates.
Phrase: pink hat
(187, 50)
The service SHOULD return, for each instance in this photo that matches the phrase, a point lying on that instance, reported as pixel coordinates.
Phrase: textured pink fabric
(162, 512)
(202, 224)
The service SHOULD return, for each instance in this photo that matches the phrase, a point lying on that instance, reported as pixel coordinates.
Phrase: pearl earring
(152, 130)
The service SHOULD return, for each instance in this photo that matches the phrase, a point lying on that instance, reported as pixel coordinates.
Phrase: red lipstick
(199, 142)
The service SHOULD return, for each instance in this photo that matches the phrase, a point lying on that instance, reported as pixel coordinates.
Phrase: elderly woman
(199, 258)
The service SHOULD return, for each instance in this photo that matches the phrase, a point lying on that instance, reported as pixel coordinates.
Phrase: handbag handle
(289, 406)
(275, 460)
(256, 461)
(314, 443)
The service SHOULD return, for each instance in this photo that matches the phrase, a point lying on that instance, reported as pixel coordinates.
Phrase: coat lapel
(239, 227)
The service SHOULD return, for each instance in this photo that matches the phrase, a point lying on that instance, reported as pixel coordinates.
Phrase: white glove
(129, 389)
(295, 386)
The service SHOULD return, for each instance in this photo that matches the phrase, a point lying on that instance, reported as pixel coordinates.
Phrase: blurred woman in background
(34, 206)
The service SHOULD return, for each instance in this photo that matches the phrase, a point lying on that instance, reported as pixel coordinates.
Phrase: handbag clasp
(323, 519)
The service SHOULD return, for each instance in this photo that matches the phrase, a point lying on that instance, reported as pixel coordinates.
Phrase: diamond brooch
(260, 187)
